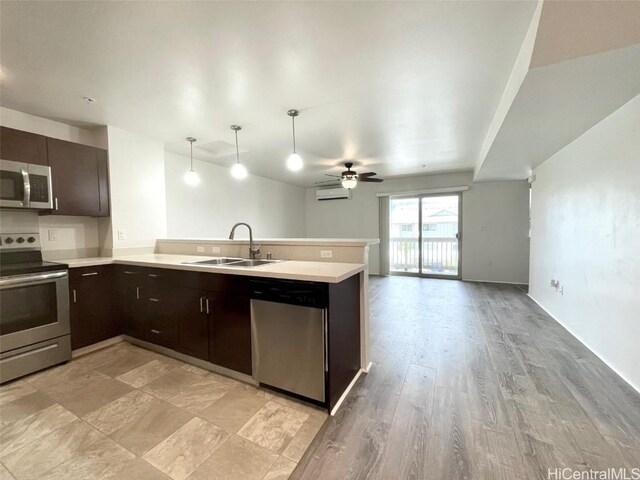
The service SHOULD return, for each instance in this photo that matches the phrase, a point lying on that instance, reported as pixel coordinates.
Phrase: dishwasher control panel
(306, 294)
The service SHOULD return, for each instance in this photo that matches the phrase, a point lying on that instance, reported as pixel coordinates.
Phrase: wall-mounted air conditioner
(332, 193)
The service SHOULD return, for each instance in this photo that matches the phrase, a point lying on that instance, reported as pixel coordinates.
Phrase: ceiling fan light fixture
(191, 177)
(238, 171)
(294, 161)
(349, 182)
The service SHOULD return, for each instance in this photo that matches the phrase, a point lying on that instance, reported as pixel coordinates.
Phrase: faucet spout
(254, 250)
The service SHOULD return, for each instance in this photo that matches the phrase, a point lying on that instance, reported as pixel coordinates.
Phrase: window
(406, 227)
(429, 227)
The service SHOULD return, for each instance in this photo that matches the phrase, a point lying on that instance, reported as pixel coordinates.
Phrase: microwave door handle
(26, 197)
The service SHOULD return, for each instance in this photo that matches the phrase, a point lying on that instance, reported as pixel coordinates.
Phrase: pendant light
(294, 162)
(238, 171)
(191, 177)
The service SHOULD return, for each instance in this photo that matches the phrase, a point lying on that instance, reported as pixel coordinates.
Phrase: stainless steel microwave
(25, 185)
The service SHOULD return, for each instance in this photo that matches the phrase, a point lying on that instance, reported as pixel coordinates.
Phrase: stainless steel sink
(251, 263)
(233, 262)
(215, 261)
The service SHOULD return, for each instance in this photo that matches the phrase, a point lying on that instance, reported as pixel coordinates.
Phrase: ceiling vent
(332, 194)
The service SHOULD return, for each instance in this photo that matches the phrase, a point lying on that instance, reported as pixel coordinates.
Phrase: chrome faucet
(254, 250)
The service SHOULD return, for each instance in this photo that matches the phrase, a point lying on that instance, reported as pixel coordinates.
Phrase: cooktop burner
(20, 254)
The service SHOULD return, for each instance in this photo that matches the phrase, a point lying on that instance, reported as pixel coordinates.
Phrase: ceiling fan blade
(329, 175)
(367, 174)
(369, 179)
(328, 181)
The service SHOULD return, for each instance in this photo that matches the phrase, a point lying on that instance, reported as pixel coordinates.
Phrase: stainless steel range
(34, 308)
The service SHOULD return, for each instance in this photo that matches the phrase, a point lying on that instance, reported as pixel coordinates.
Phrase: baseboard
(96, 346)
(493, 281)
(577, 337)
(346, 392)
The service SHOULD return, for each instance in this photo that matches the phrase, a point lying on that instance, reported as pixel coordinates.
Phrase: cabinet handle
(90, 274)
(137, 293)
(207, 303)
(128, 272)
(75, 299)
(154, 299)
(201, 306)
(153, 275)
(55, 202)
(155, 331)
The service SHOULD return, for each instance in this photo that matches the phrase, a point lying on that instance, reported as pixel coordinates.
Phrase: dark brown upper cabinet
(24, 147)
(80, 179)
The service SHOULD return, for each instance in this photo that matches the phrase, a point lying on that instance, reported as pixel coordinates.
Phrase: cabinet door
(79, 179)
(132, 306)
(189, 310)
(23, 147)
(230, 331)
(91, 299)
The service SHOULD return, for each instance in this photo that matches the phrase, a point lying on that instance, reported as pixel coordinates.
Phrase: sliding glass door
(424, 235)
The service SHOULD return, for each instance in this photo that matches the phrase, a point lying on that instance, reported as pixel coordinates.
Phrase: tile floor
(126, 412)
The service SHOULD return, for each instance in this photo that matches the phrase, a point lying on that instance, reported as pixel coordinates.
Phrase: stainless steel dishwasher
(288, 333)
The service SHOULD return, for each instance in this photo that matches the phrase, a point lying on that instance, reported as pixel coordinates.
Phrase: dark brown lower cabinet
(92, 315)
(130, 300)
(230, 331)
(188, 307)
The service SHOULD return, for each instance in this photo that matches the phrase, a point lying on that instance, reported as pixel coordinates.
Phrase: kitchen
(270, 240)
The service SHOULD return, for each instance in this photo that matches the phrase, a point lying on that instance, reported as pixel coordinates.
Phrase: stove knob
(8, 240)
(20, 239)
(31, 239)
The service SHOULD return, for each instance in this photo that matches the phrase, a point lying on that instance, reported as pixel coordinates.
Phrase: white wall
(586, 234)
(137, 185)
(75, 235)
(495, 244)
(210, 209)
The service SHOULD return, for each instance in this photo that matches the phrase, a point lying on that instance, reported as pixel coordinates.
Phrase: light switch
(215, 249)
(52, 235)
(122, 234)
(200, 249)
(326, 253)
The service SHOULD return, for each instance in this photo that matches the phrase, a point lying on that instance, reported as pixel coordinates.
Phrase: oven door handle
(26, 196)
(17, 280)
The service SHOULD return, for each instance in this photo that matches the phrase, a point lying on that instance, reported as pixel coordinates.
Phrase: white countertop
(328, 272)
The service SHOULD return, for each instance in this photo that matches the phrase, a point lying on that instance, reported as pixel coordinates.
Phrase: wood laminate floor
(469, 381)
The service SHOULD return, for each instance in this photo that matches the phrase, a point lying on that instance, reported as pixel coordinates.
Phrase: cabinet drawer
(85, 274)
(162, 328)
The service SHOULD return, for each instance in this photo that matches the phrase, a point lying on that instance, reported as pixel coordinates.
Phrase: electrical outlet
(326, 253)
(52, 234)
(200, 249)
(215, 249)
(122, 234)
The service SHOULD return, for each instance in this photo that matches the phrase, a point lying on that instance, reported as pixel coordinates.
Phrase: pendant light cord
(293, 124)
(191, 143)
(237, 148)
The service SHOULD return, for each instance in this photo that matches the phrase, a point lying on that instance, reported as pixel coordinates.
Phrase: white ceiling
(399, 87)
(585, 65)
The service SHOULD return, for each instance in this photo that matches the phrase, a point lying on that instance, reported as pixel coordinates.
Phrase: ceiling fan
(349, 178)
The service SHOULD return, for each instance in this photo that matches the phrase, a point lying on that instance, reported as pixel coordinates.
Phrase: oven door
(33, 308)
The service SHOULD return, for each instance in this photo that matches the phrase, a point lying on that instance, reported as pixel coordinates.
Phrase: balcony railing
(439, 255)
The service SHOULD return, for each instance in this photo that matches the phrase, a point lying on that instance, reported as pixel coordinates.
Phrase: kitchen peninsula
(209, 315)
